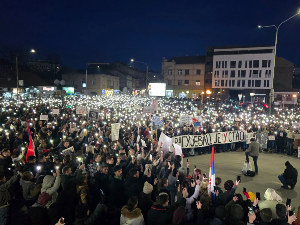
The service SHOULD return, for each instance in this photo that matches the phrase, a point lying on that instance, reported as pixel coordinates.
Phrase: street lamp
(17, 71)
(132, 60)
(275, 50)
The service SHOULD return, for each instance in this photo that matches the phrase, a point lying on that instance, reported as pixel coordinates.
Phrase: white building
(243, 67)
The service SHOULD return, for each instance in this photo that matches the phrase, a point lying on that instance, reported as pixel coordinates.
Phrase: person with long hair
(160, 213)
(130, 214)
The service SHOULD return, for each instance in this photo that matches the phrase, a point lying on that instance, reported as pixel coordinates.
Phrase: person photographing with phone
(253, 151)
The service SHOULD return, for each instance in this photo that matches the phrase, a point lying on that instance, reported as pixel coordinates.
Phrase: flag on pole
(30, 150)
(212, 176)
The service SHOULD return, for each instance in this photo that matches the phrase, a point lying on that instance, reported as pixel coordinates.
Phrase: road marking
(276, 182)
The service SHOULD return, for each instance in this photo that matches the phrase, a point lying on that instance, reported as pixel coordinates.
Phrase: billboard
(69, 90)
(157, 89)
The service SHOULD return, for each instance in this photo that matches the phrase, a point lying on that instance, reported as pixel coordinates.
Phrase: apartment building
(184, 76)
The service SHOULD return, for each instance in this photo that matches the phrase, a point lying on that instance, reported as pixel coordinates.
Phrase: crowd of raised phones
(78, 175)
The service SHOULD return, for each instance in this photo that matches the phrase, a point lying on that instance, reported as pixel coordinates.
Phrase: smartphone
(102, 193)
(62, 220)
(258, 195)
(192, 181)
(214, 188)
(244, 190)
(187, 160)
(238, 178)
(177, 183)
(195, 166)
(197, 177)
(150, 157)
(288, 202)
(291, 213)
(251, 211)
(80, 163)
(204, 175)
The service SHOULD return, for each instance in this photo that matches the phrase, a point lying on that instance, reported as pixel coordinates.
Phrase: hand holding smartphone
(258, 195)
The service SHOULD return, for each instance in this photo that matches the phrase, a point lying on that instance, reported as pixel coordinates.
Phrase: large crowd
(80, 174)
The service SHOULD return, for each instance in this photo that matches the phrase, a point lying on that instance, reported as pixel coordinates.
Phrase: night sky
(109, 31)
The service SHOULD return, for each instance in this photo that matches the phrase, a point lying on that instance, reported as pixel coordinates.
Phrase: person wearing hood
(289, 177)
(5, 198)
(145, 202)
(134, 183)
(50, 186)
(235, 212)
(28, 185)
(130, 214)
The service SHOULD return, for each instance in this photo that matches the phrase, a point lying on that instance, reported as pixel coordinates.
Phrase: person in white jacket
(130, 214)
(190, 200)
(51, 189)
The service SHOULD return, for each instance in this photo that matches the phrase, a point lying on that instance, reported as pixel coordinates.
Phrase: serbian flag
(30, 150)
(212, 176)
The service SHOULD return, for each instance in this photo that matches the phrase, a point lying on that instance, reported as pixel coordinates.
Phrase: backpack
(250, 173)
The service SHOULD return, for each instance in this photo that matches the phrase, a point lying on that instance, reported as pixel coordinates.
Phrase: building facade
(97, 80)
(184, 76)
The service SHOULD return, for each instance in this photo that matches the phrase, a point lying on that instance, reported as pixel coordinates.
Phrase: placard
(93, 114)
(157, 121)
(149, 109)
(115, 128)
(271, 138)
(55, 111)
(43, 117)
(82, 110)
(197, 121)
(298, 152)
(186, 119)
(296, 136)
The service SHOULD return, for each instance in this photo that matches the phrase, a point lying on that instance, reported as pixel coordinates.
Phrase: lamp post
(271, 97)
(17, 71)
(132, 60)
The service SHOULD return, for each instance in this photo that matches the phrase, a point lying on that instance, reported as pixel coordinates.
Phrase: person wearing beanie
(117, 196)
(289, 177)
(145, 202)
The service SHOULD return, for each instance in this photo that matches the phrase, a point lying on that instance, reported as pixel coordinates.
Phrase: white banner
(194, 141)
(55, 111)
(115, 128)
(165, 141)
(43, 117)
(82, 110)
(186, 119)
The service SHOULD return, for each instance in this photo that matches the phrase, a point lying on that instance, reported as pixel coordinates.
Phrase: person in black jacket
(289, 177)
(134, 183)
(116, 196)
(160, 213)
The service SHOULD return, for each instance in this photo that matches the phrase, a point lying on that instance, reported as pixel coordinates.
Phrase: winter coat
(4, 194)
(189, 202)
(236, 214)
(92, 219)
(135, 217)
(290, 175)
(159, 215)
(254, 148)
(224, 198)
(27, 186)
(145, 202)
(92, 169)
(69, 183)
(133, 186)
(269, 204)
(117, 197)
(49, 189)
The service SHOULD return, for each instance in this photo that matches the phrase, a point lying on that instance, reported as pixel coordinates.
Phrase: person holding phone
(253, 151)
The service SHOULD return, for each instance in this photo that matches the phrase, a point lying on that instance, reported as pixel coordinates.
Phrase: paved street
(228, 165)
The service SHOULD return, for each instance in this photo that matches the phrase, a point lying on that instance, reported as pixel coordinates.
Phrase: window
(265, 83)
(225, 64)
(268, 83)
(257, 83)
(169, 72)
(255, 63)
(250, 63)
(249, 83)
(246, 64)
(226, 73)
(269, 63)
(222, 83)
(208, 81)
(264, 63)
(239, 73)
(93, 81)
(233, 83)
(82, 80)
(216, 75)
(179, 72)
(250, 73)
(197, 82)
(226, 83)
(198, 72)
(255, 74)
(243, 73)
(259, 73)
(169, 82)
(187, 72)
(252, 83)
(179, 82)
(217, 82)
(229, 83)
(243, 83)
(186, 82)
(238, 83)
(240, 64)
(232, 64)
(218, 64)
(108, 83)
(232, 73)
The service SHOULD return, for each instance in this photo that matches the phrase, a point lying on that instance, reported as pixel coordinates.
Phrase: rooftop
(188, 59)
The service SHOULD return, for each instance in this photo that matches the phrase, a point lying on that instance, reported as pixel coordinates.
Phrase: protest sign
(165, 141)
(43, 117)
(194, 141)
(177, 149)
(157, 121)
(93, 114)
(81, 110)
(115, 128)
(296, 136)
(271, 138)
(186, 119)
(149, 109)
(249, 136)
(55, 111)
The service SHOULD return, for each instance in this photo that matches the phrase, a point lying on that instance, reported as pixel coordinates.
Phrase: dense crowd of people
(78, 174)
